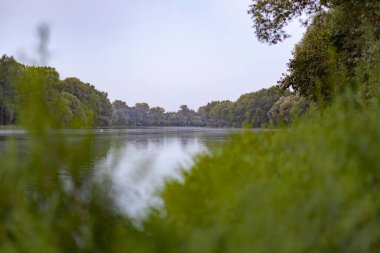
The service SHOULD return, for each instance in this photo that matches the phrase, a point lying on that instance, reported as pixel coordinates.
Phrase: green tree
(9, 71)
(120, 116)
(157, 115)
(185, 115)
(287, 108)
(142, 114)
(308, 71)
(251, 109)
(270, 17)
(339, 38)
(337, 41)
(96, 104)
(221, 114)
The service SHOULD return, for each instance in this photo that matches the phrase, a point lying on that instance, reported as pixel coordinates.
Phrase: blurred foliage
(313, 187)
(51, 200)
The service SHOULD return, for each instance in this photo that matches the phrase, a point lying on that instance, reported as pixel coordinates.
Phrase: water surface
(138, 161)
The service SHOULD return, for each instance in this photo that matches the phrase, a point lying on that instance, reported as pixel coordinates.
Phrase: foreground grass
(10, 127)
(311, 188)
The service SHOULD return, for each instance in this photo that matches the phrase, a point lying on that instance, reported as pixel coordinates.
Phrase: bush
(311, 188)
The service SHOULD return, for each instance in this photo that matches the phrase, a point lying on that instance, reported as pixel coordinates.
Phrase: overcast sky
(166, 53)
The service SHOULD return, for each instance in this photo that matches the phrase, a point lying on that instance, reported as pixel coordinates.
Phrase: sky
(166, 53)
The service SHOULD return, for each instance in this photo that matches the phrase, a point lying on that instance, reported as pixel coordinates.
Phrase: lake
(138, 161)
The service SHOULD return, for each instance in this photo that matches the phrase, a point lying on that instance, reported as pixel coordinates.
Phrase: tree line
(78, 104)
(256, 109)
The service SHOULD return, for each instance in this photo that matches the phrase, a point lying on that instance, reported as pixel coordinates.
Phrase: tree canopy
(72, 102)
(272, 16)
(341, 36)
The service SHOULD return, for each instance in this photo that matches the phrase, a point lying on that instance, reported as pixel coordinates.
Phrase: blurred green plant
(311, 187)
(51, 200)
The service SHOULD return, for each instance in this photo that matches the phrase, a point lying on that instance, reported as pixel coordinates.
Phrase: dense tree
(96, 103)
(309, 69)
(71, 102)
(272, 16)
(342, 35)
(142, 114)
(157, 115)
(287, 108)
(251, 109)
(104, 111)
(120, 116)
(337, 41)
(218, 113)
(72, 110)
(9, 71)
(185, 115)
(74, 103)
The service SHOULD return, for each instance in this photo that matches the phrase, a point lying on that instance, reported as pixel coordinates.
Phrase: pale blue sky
(166, 53)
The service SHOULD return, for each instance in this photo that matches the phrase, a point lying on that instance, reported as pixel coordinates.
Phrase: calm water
(138, 161)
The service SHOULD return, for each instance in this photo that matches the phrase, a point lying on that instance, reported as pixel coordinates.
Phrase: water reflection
(141, 162)
(137, 161)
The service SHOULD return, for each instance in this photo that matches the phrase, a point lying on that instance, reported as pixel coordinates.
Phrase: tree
(221, 114)
(96, 103)
(185, 115)
(103, 110)
(9, 71)
(309, 68)
(120, 114)
(286, 108)
(157, 116)
(141, 114)
(71, 111)
(337, 41)
(270, 17)
(251, 109)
